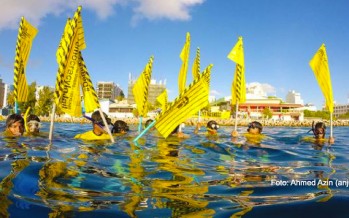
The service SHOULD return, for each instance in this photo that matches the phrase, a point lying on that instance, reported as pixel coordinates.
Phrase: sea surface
(280, 176)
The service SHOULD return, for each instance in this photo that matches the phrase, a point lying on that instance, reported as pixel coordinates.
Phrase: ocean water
(283, 176)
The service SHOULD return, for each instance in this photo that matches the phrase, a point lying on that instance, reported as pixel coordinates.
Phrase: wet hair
(120, 126)
(33, 117)
(97, 119)
(318, 125)
(148, 122)
(255, 124)
(13, 118)
(212, 125)
(175, 130)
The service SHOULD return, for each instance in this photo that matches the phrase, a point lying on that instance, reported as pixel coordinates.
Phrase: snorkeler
(177, 132)
(211, 127)
(98, 132)
(14, 126)
(120, 127)
(319, 131)
(33, 124)
(253, 135)
(255, 128)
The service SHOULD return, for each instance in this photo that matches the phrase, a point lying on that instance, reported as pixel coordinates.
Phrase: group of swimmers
(16, 126)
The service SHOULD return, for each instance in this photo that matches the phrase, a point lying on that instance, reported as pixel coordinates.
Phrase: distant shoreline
(203, 121)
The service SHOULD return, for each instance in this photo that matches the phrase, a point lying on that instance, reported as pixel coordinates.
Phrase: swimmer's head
(33, 123)
(255, 127)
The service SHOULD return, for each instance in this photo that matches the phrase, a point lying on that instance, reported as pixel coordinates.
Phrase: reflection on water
(196, 177)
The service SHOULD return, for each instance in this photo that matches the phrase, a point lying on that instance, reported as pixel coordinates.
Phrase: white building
(108, 90)
(294, 97)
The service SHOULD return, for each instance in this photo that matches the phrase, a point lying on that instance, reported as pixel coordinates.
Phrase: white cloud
(171, 9)
(34, 10)
(265, 87)
(167, 9)
(215, 92)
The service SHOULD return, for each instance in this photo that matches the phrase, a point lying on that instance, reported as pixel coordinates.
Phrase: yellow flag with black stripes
(182, 78)
(67, 94)
(196, 65)
(91, 102)
(319, 65)
(239, 83)
(26, 34)
(189, 102)
(141, 87)
(162, 99)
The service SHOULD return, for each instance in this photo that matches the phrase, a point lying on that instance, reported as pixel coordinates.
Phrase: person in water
(177, 132)
(99, 130)
(255, 128)
(14, 126)
(211, 127)
(253, 135)
(33, 124)
(120, 127)
(319, 131)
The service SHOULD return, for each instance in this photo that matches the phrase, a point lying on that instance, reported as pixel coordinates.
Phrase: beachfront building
(340, 109)
(294, 97)
(257, 102)
(3, 94)
(108, 90)
(254, 109)
(121, 109)
(155, 89)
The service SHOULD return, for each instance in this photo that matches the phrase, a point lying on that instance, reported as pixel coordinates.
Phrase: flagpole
(236, 116)
(199, 114)
(16, 107)
(144, 131)
(106, 125)
(331, 124)
(140, 124)
(52, 120)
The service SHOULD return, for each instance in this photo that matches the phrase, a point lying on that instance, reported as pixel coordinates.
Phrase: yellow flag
(140, 89)
(237, 53)
(189, 102)
(91, 102)
(67, 93)
(162, 99)
(239, 83)
(182, 78)
(319, 64)
(196, 65)
(26, 34)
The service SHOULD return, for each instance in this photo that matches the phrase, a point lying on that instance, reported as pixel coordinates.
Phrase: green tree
(11, 99)
(267, 113)
(344, 116)
(320, 114)
(45, 101)
(31, 101)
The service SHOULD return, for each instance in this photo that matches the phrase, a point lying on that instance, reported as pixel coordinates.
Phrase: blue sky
(280, 38)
